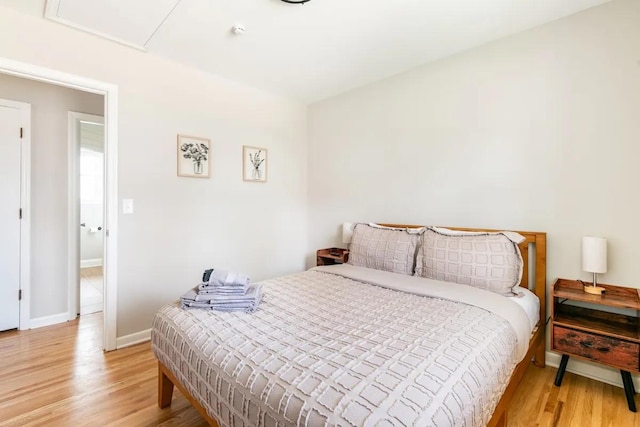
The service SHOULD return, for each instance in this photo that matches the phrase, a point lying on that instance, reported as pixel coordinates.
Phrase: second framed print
(254, 164)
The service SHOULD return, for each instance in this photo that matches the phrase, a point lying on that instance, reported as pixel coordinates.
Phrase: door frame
(25, 206)
(74, 242)
(110, 263)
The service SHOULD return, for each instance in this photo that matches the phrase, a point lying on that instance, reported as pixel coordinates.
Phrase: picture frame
(254, 164)
(194, 156)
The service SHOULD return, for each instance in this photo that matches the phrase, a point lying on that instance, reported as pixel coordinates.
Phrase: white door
(11, 122)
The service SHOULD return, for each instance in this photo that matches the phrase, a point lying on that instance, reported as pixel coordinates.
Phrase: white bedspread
(497, 304)
(324, 349)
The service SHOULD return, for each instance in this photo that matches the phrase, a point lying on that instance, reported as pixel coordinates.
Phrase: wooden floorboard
(578, 402)
(59, 376)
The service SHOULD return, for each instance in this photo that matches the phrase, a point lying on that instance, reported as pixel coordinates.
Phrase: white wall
(539, 131)
(183, 225)
(49, 154)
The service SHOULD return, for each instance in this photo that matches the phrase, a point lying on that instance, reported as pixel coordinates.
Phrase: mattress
(328, 348)
(530, 303)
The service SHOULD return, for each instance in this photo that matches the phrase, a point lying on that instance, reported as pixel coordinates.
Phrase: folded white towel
(205, 288)
(219, 277)
(223, 302)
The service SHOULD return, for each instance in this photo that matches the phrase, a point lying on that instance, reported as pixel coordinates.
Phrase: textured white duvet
(324, 349)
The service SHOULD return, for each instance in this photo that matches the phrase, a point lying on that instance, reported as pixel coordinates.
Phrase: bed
(348, 345)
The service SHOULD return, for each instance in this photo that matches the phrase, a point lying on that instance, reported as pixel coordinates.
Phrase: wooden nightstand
(330, 256)
(596, 335)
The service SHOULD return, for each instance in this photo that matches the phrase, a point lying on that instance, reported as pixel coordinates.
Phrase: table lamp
(594, 260)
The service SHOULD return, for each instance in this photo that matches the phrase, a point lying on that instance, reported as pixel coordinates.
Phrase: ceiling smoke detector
(238, 30)
(295, 1)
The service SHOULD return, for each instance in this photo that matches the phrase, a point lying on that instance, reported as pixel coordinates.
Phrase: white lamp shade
(347, 232)
(594, 254)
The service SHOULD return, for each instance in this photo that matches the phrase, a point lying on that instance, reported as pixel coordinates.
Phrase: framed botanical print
(254, 164)
(194, 156)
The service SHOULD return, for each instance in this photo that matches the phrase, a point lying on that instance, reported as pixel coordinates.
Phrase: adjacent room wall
(50, 106)
(539, 131)
(181, 226)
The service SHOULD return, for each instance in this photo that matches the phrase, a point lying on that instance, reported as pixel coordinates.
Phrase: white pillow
(490, 261)
(511, 235)
(388, 249)
(410, 230)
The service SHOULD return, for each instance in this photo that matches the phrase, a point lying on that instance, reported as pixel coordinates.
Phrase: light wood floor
(91, 290)
(58, 376)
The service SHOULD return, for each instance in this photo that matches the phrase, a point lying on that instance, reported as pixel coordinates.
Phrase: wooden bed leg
(165, 389)
(539, 359)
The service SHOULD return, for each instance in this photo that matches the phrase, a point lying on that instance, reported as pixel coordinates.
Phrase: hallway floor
(91, 290)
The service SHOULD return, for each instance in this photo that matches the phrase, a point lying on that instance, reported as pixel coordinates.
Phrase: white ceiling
(311, 51)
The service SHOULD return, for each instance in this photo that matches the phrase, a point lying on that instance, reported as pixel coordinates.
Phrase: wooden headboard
(536, 244)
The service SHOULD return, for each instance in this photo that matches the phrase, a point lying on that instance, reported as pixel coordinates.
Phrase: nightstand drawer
(612, 351)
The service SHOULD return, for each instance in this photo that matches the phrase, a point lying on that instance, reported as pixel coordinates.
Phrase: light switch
(127, 206)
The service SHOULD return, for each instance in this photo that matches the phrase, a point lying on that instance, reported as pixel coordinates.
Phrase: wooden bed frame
(537, 346)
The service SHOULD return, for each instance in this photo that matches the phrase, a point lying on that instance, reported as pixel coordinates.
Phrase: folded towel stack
(223, 291)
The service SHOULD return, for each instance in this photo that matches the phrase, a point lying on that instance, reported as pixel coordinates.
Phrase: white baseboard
(591, 370)
(39, 322)
(96, 262)
(133, 339)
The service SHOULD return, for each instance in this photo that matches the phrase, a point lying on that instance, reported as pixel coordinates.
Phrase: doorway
(110, 101)
(86, 163)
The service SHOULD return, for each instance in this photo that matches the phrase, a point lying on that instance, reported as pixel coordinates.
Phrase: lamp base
(595, 290)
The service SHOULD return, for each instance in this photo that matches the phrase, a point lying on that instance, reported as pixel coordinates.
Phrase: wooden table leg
(629, 390)
(561, 369)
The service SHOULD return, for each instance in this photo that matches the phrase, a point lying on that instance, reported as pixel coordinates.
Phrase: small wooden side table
(331, 256)
(596, 335)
